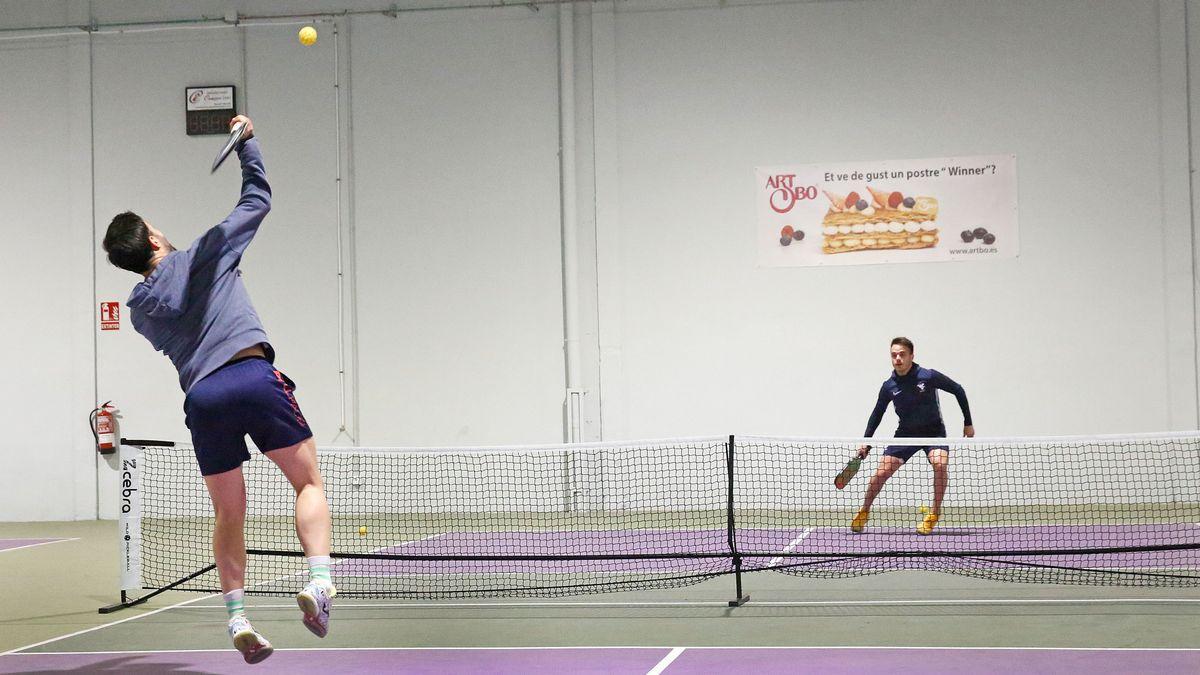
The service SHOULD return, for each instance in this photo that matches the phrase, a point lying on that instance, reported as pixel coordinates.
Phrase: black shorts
(905, 452)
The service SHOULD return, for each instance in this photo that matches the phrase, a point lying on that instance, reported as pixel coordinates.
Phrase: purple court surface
(639, 660)
(11, 544)
(770, 548)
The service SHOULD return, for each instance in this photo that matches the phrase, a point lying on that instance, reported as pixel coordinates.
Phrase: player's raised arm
(242, 223)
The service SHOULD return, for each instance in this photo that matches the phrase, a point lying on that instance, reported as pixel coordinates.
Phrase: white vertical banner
(889, 211)
(129, 522)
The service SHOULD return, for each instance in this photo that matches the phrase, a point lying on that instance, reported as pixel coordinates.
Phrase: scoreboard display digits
(208, 122)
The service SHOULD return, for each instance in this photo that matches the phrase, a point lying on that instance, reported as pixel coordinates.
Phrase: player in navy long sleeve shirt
(913, 391)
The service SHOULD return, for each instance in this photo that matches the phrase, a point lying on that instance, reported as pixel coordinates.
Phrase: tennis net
(565, 520)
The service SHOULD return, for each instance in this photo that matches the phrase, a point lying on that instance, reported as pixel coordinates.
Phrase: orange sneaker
(860, 521)
(926, 526)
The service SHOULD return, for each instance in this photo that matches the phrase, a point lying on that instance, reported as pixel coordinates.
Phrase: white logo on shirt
(921, 387)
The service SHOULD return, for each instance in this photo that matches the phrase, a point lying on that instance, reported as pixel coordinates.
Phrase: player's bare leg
(940, 461)
(299, 464)
(887, 466)
(227, 491)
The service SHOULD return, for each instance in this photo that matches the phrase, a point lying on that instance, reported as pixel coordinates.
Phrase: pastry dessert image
(889, 219)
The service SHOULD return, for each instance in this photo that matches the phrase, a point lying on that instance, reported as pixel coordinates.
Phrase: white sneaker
(315, 601)
(254, 647)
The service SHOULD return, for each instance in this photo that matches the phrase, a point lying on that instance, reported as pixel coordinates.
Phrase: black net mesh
(573, 519)
(462, 523)
(1100, 510)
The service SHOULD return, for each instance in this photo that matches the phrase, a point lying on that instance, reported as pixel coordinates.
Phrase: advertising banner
(893, 211)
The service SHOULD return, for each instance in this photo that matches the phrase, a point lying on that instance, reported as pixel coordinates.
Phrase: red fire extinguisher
(104, 428)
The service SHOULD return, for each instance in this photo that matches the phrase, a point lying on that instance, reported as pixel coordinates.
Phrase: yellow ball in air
(924, 509)
(362, 531)
(308, 35)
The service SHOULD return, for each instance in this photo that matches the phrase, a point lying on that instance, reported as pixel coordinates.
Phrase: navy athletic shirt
(916, 400)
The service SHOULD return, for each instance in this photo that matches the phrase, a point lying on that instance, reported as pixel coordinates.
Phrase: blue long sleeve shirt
(915, 397)
(194, 307)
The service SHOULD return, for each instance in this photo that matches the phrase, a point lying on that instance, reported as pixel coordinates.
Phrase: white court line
(474, 574)
(950, 525)
(751, 605)
(40, 543)
(680, 649)
(394, 545)
(342, 561)
(791, 547)
(666, 661)
(111, 623)
(353, 649)
(514, 572)
(512, 605)
(994, 601)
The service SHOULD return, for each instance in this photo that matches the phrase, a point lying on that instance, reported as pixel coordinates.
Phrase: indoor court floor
(898, 622)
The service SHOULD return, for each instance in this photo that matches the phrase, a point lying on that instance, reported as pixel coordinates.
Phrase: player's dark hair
(127, 243)
(904, 342)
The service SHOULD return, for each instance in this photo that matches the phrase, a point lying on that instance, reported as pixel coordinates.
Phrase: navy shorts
(905, 452)
(246, 396)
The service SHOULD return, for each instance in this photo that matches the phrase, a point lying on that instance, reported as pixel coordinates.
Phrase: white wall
(457, 227)
(46, 341)
(444, 129)
(1070, 337)
(295, 257)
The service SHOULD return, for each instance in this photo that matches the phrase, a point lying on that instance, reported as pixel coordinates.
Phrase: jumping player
(193, 307)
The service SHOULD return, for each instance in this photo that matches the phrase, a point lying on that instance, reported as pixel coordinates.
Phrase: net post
(739, 598)
(129, 524)
(129, 521)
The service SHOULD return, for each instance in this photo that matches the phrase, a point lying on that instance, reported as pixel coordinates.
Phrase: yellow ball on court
(308, 35)
(362, 531)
